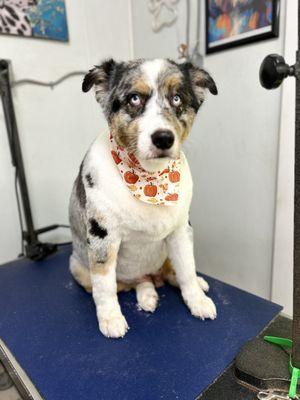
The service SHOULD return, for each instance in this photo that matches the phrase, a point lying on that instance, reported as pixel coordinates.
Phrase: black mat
(267, 363)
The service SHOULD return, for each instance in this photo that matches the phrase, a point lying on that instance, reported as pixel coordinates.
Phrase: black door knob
(273, 71)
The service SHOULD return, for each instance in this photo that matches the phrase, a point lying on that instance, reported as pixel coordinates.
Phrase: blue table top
(49, 324)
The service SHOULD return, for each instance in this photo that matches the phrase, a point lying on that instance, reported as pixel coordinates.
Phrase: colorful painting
(34, 18)
(234, 22)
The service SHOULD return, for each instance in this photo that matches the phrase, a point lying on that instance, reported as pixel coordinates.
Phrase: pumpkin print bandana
(159, 187)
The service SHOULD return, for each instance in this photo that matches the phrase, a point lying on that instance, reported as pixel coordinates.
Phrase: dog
(129, 207)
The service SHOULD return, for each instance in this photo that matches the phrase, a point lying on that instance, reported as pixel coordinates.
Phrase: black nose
(163, 139)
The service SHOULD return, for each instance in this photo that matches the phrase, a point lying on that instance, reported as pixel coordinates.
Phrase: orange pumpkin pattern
(174, 176)
(158, 188)
(172, 197)
(131, 177)
(150, 190)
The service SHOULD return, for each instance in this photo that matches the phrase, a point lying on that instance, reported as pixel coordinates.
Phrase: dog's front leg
(181, 255)
(103, 253)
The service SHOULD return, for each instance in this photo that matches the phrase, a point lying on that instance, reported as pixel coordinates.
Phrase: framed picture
(34, 18)
(231, 23)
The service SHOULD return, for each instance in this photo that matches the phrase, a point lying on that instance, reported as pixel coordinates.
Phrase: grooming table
(49, 324)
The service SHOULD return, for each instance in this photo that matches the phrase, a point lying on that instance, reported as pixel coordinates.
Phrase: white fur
(111, 321)
(180, 251)
(152, 118)
(152, 69)
(147, 296)
(144, 235)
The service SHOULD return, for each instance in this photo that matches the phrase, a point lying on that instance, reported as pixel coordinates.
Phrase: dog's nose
(163, 139)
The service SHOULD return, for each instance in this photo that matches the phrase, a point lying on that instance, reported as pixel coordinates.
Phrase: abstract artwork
(234, 22)
(34, 18)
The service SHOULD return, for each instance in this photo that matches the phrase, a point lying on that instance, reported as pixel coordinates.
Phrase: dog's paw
(147, 298)
(148, 302)
(115, 327)
(202, 307)
(203, 284)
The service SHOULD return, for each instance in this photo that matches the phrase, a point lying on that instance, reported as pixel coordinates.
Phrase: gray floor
(7, 389)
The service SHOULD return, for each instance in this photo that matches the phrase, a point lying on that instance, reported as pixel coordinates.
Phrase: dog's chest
(137, 220)
(140, 222)
(150, 223)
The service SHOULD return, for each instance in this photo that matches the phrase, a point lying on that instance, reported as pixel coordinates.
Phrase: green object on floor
(295, 372)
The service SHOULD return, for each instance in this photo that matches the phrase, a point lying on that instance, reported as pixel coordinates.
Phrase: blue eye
(176, 100)
(135, 100)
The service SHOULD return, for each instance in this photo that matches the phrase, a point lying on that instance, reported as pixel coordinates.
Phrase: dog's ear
(200, 79)
(100, 76)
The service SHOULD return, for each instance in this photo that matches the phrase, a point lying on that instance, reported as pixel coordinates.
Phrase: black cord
(63, 243)
(19, 212)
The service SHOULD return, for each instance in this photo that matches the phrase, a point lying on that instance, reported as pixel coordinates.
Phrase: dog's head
(150, 105)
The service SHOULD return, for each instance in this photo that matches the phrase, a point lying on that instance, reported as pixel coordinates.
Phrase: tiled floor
(7, 389)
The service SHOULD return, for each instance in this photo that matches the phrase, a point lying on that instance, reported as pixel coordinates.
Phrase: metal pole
(15, 147)
(296, 299)
(34, 248)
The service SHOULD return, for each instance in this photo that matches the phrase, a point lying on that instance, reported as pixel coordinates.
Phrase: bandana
(159, 187)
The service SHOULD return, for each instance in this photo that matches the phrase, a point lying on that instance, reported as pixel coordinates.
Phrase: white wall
(233, 154)
(56, 127)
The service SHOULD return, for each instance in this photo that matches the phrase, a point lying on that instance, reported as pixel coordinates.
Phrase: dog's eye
(176, 100)
(135, 100)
